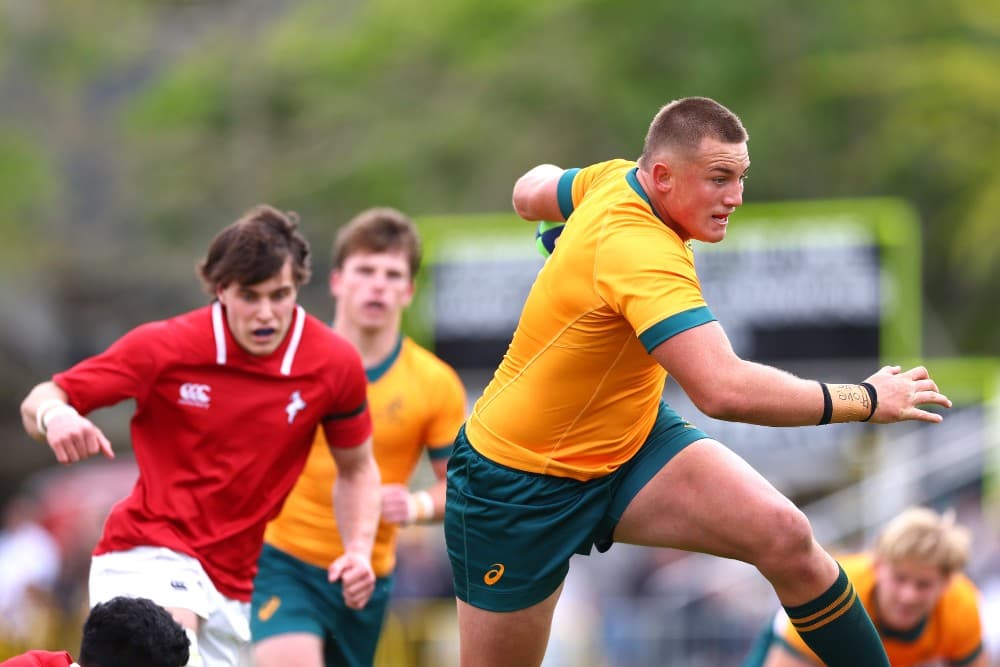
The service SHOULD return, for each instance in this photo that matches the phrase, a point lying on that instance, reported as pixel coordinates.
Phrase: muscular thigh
(492, 639)
(707, 499)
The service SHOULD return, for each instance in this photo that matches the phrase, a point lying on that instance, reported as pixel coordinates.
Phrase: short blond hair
(921, 534)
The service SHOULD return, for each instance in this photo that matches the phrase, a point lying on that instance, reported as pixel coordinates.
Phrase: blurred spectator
(31, 564)
(49, 529)
(422, 568)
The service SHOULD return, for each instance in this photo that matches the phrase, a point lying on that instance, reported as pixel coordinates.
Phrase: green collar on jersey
(633, 181)
(377, 371)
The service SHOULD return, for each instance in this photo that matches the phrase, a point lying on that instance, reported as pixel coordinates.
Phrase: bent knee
(788, 542)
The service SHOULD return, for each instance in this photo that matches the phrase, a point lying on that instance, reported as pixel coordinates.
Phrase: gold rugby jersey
(416, 400)
(577, 392)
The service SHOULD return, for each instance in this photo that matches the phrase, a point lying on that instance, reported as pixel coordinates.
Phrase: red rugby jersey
(219, 435)
(39, 659)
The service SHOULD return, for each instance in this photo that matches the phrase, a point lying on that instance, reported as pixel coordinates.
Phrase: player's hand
(357, 580)
(73, 437)
(901, 392)
(396, 504)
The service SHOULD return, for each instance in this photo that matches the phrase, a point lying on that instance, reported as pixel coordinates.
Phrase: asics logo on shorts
(267, 610)
(493, 574)
(194, 394)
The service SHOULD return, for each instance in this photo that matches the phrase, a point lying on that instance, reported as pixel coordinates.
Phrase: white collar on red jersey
(219, 331)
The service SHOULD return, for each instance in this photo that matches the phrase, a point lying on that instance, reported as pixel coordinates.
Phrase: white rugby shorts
(173, 579)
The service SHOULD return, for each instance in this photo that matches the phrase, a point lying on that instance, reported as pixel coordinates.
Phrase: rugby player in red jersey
(227, 398)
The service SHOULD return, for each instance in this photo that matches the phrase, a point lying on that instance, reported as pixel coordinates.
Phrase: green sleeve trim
(674, 325)
(347, 415)
(565, 192)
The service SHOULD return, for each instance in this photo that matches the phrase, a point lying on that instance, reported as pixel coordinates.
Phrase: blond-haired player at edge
(417, 404)
(571, 445)
(925, 609)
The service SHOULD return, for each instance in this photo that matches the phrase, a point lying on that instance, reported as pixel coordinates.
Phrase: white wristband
(421, 506)
(48, 409)
(44, 407)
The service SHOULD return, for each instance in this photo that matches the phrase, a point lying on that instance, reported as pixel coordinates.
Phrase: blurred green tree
(134, 129)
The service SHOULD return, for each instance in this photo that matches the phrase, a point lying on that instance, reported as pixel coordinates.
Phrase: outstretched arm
(536, 193)
(48, 417)
(356, 501)
(722, 385)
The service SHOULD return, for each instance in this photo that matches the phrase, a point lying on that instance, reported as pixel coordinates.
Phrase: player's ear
(334, 282)
(662, 174)
(220, 296)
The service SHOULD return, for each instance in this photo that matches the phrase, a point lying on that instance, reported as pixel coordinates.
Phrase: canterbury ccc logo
(195, 394)
(493, 574)
(268, 608)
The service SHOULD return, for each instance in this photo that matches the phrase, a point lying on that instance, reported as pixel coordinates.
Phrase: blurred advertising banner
(810, 280)
(827, 289)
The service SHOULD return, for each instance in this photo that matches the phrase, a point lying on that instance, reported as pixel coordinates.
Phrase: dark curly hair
(132, 632)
